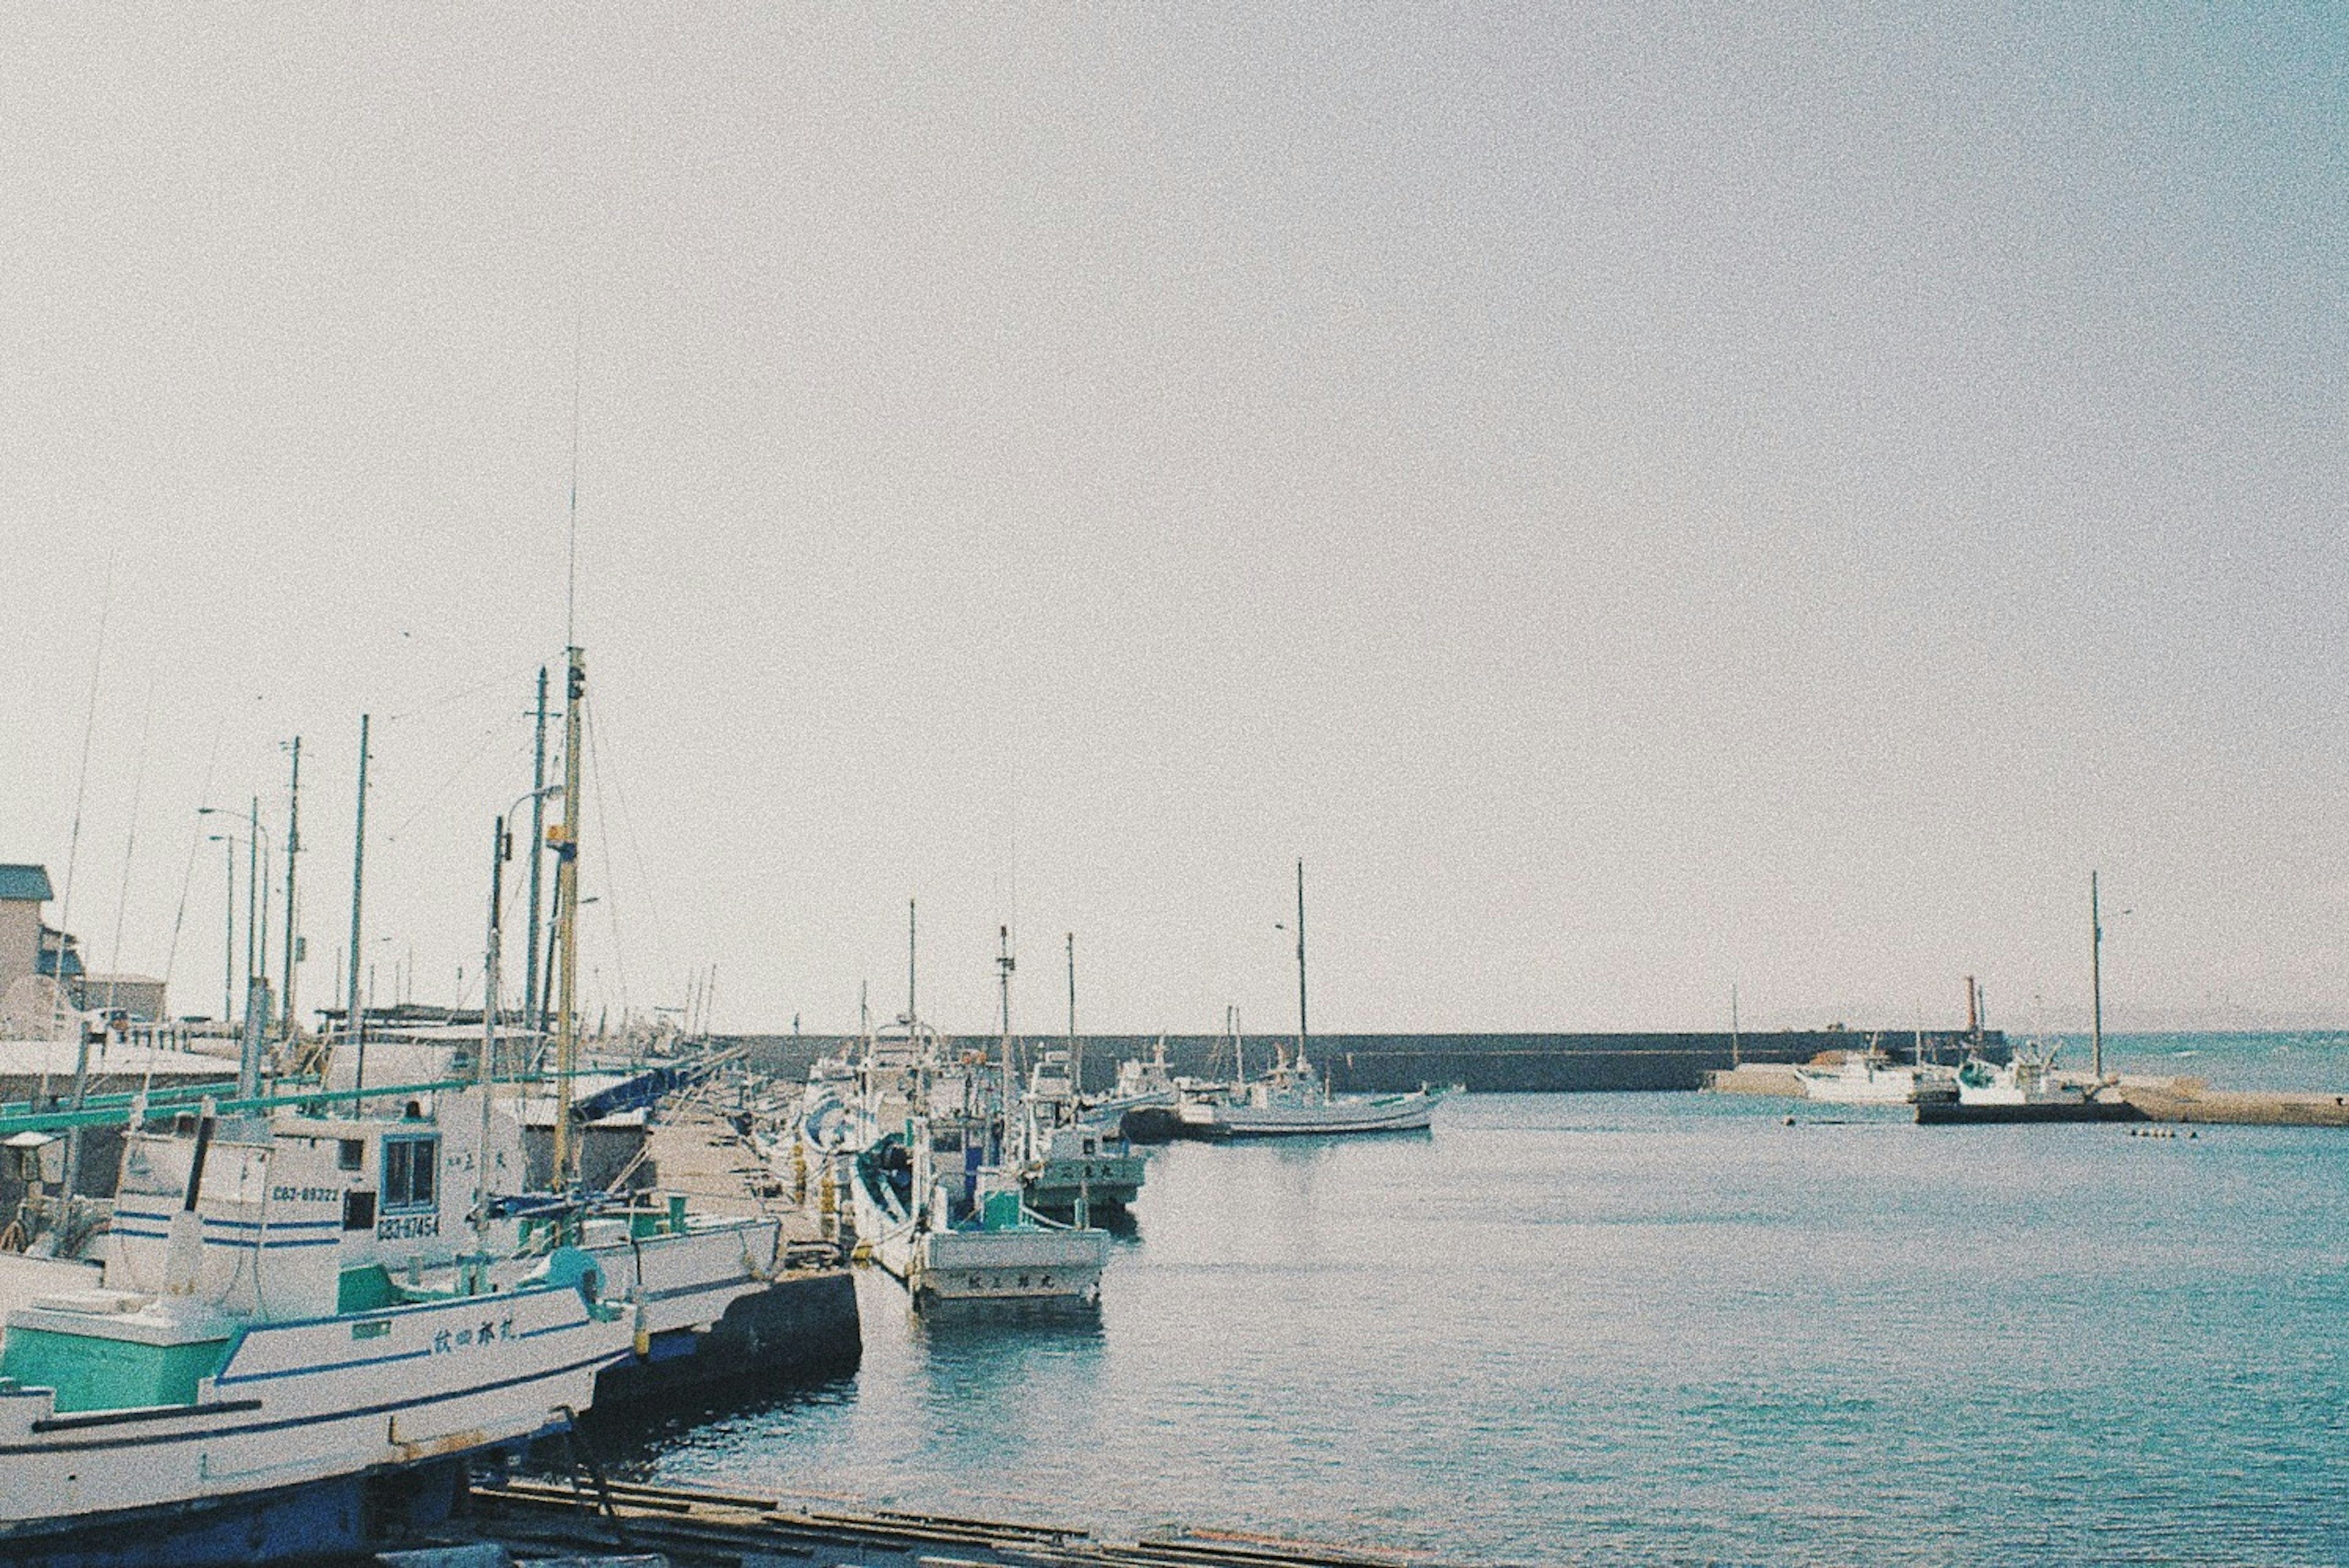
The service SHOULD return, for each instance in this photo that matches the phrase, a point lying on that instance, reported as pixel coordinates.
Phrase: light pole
(256, 937)
(228, 938)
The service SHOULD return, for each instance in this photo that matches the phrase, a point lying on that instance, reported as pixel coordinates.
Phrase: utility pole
(2095, 983)
(293, 848)
(533, 1012)
(354, 1020)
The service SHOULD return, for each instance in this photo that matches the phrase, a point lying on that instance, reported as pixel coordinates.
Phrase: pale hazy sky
(1641, 498)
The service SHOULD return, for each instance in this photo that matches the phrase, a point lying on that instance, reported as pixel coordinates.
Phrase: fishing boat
(2027, 1088)
(1871, 1077)
(1143, 1083)
(957, 1232)
(938, 1201)
(1068, 1166)
(229, 1392)
(1294, 1100)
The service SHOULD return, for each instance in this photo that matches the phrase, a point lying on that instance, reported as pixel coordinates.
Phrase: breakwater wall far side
(1380, 1063)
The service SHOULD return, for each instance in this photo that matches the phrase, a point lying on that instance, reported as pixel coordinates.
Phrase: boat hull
(1957, 1113)
(1334, 1119)
(1022, 1265)
(297, 1403)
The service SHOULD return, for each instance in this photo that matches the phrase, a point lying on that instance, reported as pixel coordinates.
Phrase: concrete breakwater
(1383, 1064)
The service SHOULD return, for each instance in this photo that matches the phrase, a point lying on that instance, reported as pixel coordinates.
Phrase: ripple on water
(1658, 1329)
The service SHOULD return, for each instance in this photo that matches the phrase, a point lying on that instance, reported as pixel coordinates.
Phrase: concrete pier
(590, 1517)
(802, 1328)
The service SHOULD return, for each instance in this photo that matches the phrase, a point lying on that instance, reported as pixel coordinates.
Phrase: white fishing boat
(960, 1232)
(1871, 1077)
(937, 1202)
(218, 1387)
(2027, 1088)
(1293, 1100)
(1070, 1168)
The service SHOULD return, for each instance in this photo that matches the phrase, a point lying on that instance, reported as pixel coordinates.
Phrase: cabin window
(351, 1154)
(410, 1166)
(358, 1210)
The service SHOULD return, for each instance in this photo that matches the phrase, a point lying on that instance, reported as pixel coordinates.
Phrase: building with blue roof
(24, 941)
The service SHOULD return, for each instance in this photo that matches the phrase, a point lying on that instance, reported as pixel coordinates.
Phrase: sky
(1642, 501)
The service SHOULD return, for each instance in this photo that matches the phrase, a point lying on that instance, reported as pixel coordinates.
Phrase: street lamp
(256, 935)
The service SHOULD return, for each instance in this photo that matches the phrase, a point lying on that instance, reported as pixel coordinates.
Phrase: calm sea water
(1659, 1328)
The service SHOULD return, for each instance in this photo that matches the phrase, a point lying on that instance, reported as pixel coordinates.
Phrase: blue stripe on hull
(317, 1519)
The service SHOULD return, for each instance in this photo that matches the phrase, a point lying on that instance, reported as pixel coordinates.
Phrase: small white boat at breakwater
(2026, 1089)
(1293, 1100)
(1871, 1077)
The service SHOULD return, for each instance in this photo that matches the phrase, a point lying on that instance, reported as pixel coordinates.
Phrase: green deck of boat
(92, 1372)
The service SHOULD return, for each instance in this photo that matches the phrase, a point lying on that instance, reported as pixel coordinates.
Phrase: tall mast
(293, 848)
(1301, 964)
(1076, 1056)
(566, 915)
(354, 1021)
(499, 847)
(533, 1008)
(1004, 964)
(256, 959)
(2096, 983)
(910, 1013)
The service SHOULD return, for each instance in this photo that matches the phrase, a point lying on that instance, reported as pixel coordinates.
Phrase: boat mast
(532, 1007)
(353, 1023)
(1004, 964)
(566, 915)
(1076, 1052)
(293, 848)
(2095, 983)
(499, 847)
(1300, 966)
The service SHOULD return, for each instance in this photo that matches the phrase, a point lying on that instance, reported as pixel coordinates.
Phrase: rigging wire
(661, 951)
(594, 759)
(481, 745)
(81, 786)
(195, 837)
(131, 844)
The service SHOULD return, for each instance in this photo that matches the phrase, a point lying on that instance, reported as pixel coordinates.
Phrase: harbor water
(1664, 1328)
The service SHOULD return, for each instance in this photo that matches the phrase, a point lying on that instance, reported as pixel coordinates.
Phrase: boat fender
(644, 1337)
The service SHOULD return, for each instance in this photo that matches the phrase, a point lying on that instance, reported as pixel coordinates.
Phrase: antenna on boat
(570, 557)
